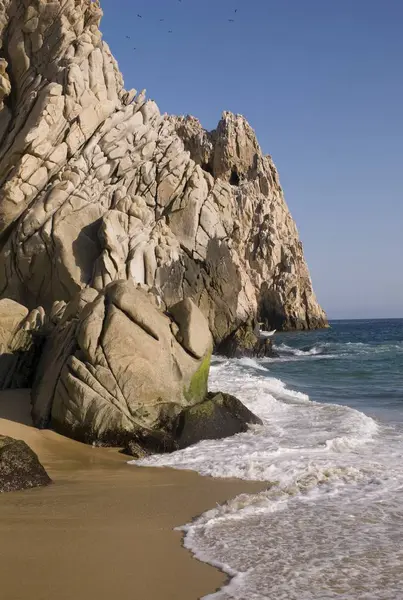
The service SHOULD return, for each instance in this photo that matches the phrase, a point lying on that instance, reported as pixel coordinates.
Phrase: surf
(329, 523)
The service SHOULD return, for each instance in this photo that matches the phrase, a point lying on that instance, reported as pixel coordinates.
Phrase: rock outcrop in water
(117, 365)
(245, 342)
(220, 415)
(123, 230)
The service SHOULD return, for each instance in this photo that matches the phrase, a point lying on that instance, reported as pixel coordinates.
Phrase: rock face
(21, 339)
(220, 415)
(96, 186)
(117, 366)
(20, 468)
(12, 315)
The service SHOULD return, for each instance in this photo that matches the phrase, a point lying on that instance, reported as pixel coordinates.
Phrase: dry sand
(103, 529)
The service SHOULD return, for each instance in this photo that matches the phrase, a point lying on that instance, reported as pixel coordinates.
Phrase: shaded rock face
(116, 366)
(220, 415)
(96, 186)
(20, 468)
(21, 340)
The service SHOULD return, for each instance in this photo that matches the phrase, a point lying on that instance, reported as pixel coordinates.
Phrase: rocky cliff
(96, 186)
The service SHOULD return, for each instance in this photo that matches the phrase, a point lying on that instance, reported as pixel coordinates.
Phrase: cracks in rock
(124, 399)
(142, 326)
(188, 252)
(178, 170)
(168, 210)
(156, 205)
(158, 171)
(10, 100)
(100, 343)
(305, 302)
(75, 411)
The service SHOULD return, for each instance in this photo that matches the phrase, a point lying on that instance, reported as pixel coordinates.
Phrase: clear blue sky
(321, 81)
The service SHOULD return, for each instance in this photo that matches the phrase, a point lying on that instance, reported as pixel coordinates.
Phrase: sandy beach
(103, 528)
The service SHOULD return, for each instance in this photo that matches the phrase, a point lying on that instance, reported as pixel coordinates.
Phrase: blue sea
(330, 523)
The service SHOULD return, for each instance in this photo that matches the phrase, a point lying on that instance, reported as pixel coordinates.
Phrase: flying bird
(128, 37)
(139, 16)
(236, 10)
(170, 31)
(231, 20)
(162, 20)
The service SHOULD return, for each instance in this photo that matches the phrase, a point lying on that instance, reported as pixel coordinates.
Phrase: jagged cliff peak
(96, 186)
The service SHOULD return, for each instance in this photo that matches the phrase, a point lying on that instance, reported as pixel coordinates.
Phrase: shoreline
(102, 527)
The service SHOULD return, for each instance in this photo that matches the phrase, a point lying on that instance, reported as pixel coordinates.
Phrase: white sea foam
(331, 350)
(298, 441)
(284, 349)
(329, 524)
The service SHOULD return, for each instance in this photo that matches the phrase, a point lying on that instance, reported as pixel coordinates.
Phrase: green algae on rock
(197, 390)
(116, 366)
(220, 415)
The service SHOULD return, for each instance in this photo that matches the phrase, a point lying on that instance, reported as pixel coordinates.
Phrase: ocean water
(330, 524)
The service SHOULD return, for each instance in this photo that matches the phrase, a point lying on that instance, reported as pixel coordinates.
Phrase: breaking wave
(329, 523)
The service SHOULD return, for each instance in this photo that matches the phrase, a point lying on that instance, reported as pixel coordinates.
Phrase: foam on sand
(334, 481)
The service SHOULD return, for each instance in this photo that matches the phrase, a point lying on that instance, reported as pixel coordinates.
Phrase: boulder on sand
(120, 366)
(20, 468)
(118, 370)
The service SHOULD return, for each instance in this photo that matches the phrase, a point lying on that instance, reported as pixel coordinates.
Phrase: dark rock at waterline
(244, 342)
(20, 468)
(135, 450)
(219, 416)
(143, 443)
(264, 349)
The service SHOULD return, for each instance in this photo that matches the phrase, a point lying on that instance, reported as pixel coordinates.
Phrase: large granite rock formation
(116, 365)
(20, 468)
(96, 186)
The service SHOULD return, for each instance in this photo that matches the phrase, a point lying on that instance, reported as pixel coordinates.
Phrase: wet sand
(103, 529)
